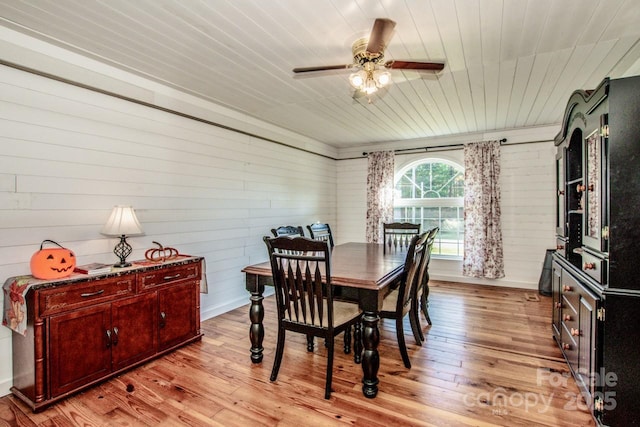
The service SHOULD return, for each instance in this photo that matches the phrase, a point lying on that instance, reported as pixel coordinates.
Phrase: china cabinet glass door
(595, 230)
(560, 194)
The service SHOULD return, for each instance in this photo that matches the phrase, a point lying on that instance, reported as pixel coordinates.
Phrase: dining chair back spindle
(301, 270)
(398, 235)
(319, 231)
(398, 302)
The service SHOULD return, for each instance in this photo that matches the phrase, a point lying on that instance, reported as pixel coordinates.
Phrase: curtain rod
(416, 150)
(427, 149)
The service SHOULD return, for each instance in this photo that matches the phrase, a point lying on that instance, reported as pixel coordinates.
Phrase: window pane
(404, 188)
(431, 193)
(431, 180)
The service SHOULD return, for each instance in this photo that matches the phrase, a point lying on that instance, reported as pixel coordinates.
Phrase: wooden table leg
(256, 332)
(256, 316)
(370, 356)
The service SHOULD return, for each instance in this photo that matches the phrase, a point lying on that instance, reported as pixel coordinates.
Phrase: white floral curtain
(379, 193)
(483, 235)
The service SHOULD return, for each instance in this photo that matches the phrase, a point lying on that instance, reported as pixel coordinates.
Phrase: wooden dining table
(364, 271)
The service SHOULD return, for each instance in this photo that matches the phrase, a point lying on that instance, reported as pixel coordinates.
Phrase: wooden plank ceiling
(509, 63)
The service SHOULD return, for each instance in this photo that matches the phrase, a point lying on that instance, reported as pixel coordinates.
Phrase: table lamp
(122, 223)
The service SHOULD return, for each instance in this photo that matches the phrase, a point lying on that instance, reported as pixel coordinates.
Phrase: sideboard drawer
(570, 320)
(561, 247)
(75, 295)
(570, 290)
(570, 348)
(152, 278)
(594, 267)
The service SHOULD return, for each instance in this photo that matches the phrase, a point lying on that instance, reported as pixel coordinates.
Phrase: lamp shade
(122, 221)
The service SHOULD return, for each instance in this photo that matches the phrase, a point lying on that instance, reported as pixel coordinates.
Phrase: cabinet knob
(115, 336)
(567, 317)
(591, 187)
(559, 247)
(575, 332)
(558, 305)
(108, 333)
(580, 188)
(163, 319)
(589, 266)
(566, 346)
(566, 288)
(560, 192)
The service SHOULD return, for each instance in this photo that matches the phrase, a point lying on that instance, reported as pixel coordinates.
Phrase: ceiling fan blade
(380, 35)
(322, 68)
(415, 65)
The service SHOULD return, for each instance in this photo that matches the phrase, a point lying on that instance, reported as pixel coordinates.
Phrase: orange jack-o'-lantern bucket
(52, 263)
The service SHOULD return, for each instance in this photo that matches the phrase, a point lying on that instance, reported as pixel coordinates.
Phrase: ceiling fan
(369, 72)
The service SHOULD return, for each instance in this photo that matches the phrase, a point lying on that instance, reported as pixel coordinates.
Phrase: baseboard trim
(5, 386)
(231, 305)
(487, 282)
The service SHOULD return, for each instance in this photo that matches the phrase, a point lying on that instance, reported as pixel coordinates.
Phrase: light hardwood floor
(488, 360)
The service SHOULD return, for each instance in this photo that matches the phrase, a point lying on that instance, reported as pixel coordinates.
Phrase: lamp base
(122, 251)
(122, 265)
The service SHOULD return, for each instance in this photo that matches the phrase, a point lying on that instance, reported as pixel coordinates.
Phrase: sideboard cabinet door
(556, 293)
(176, 320)
(79, 348)
(134, 330)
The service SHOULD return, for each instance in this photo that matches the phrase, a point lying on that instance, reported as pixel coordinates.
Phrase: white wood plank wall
(528, 208)
(352, 200)
(68, 155)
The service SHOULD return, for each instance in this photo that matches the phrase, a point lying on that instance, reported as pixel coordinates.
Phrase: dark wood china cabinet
(596, 286)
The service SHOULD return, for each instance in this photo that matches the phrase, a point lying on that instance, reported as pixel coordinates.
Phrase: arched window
(431, 192)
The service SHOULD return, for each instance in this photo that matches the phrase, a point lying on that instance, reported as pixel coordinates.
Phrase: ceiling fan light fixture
(370, 86)
(357, 79)
(382, 78)
(369, 79)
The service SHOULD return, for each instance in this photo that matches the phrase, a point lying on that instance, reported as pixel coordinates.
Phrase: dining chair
(301, 269)
(319, 231)
(294, 231)
(288, 230)
(397, 235)
(398, 302)
(420, 299)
